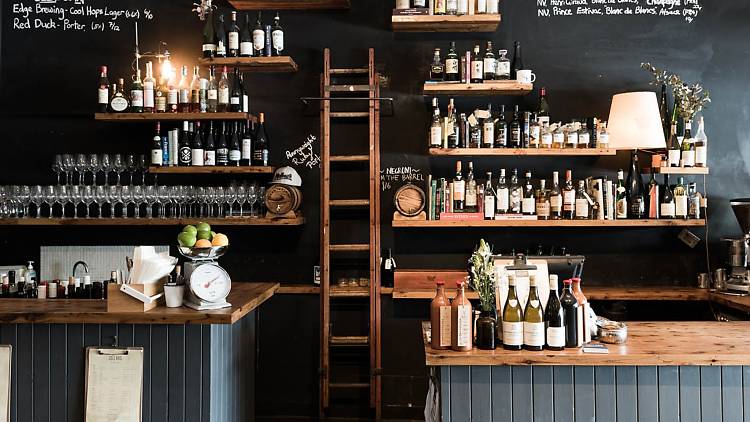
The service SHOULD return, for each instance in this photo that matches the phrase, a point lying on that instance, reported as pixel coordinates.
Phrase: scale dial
(210, 283)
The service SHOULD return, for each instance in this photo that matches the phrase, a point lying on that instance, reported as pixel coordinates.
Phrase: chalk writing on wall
(391, 176)
(682, 9)
(74, 16)
(305, 155)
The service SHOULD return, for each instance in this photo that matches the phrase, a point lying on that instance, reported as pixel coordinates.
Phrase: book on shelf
(461, 216)
(414, 11)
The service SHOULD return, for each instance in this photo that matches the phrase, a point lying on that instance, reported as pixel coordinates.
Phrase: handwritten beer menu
(75, 15)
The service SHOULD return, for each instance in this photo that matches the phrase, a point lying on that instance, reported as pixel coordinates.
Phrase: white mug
(525, 76)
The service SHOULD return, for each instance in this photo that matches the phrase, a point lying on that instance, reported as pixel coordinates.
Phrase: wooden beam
(508, 87)
(275, 64)
(446, 23)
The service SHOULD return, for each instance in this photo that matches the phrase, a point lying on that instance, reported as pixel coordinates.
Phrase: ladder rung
(349, 158)
(350, 247)
(350, 71)
(349, 340)
(349, 385)
(349, 291)
(349, 203)
(348, 88)
(350, 115)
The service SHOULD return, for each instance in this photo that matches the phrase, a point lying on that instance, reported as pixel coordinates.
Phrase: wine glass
(219, 201)
(126, 197)
(75, 195)
(88, 198)
(118, 165)
(241, 198)
(80, 166)
(143, 167)
(62, 197)
(100, 195)
(67, 167)
(150, 194)
(113, 197)
(163, 199)
(231, 198)
(50, 196)
(262, 200)
(131, 166)
(57, 166)
(37, 197)
(4, 212)
(252, 198)
(93, 167)
(105, 165)
(137, 195)
(24, 197)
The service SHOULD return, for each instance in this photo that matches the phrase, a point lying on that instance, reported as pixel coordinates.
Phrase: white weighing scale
(208, 284)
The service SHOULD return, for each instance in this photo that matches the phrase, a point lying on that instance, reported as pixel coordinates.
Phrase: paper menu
(522, 282)
(114, 384)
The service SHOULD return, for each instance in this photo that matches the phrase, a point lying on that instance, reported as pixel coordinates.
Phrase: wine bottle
(477, 66)
(259, 38)
(533, 319)
(246, 156)
(244, 98)
(583, 206)
(221, 38)
(161, 95)
(528, 203)
(209, 147)
(461, 321)
(502, 66)
(501, 130)
(195, 91)
(136, 94)
(688, 148)
(653, 197)
(173, 96)
(517, 63)
(157, 158)
(636, 191)
(451, 7)
(512, 318)
(489, 63)
(451, 64)
(197, 153)
(440, 318)
(542, 114)
(262, 146)
(543, 202)
(103, 93)
(233, 36)
(119, 102)
(246, 38)
(212, 95)
(235, 95)
(489, 198)
(571, 315)
(436, 127)
(277, 37)
(555, 198)
(621, 197)
(515, 129)
(667, 203)
(223, 104)
(222, 147)
(184, 152)
(149, 87)
(235, 151)
(680, 199)
(388, 271)
(584, 306)
(701, 145)
(184, 91)
(471, 190)
(451, 126)
(516, 194)
(459, 189)
(503, 195)
(569, 197)
(554, 318)
(488, 129)
(209, 36)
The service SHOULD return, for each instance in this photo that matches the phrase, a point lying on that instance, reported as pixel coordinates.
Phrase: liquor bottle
(481, 7)
(262, 144)
(535, 132)
(437, 67)
(149, 86)
(582, 206)
(136, 94)
(554, 318)
(223, 104)
(569, 197)
(602, 138)
(489, 198)
(688, 149)
(694, 201)
(212, 95)
(503, 195)
(157, 157)
(515, 129)
(475, 134)
(471, 190)
(195, 91)
(502, 66)
(440, 318)
(244, 99)
(489, 63)
(459, 190)
(555, 198)
(558, 137)
(173, 96)
(501, 129)
(513, 326)
(571, 315)
(235, 150)
(461, 321)
(463, 7)
(222, 147)
(584, 136)
(233, 36)
(439, 7)
(516, 194)
(701, 145)
(673, 147)
(477, 66)
(680, 199)
(436, 127)
(621, 197)
(451, 64)
(451, 126)
(636, 191)
(571, 136)
(463, 131)
(653, 197)
(451, 7)
(246, 157)
(119, 102)
(246, 38)
(209, 147)
(528, 203)
(103, 93)
(221, 38)
(542, 113)
(184, 91)
(525, 129)
(388, 272)
(533, 319)
(277, 37)
(543, 206)
(488, 129)
(161, 95)
(667, 204)
(517, 63)
(209, 37)
(259, 38)
(235, 94)
(183, 152)
(197, 153)
(418, 3)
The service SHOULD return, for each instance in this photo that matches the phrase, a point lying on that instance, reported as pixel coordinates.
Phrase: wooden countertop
(244, 297)
(741, 303)
(649, 344)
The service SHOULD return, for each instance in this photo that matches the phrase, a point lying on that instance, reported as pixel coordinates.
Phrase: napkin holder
(119, 301)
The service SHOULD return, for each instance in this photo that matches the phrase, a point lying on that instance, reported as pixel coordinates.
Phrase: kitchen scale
(208, 285)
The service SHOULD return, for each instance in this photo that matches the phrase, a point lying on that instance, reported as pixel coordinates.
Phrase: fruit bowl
(213, 252)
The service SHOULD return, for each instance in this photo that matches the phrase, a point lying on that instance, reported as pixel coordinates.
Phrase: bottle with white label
(440, 318)
(477, 66)
(680, 199)
(582, 207)
(462, 321)
(489, 198)
(584, 307)
(259, 38)
(277, 37)
(528, 203)
(436, 127)
(136, 94)
(502, 66)
(157, 156)
(701, 145)
(488, 129)
(246, 38)
(489, 63)
(533, 321)
(481, 7)
(666, 203)
(688, 148)
(233, 37)
(471, 204)
(555, 197)
(512, 318)
(103, 94)
(223, 91)
(451, 64)
(502, 195)
(554, 318)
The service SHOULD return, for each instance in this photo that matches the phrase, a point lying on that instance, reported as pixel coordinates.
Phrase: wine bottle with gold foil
(512, 318)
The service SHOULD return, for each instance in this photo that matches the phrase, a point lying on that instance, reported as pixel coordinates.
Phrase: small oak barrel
(283, 199)
(409, 200)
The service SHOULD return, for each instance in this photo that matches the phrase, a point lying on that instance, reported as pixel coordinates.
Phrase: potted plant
(689, 99)
(482, 280)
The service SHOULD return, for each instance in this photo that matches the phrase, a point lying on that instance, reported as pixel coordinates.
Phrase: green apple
(204, 234)
(186, 239)
(190, 229)
(203, 227)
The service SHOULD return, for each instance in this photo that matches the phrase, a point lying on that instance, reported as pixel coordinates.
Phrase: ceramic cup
(174, 295)
(525, 77)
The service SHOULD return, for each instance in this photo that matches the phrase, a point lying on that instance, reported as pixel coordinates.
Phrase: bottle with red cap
(440, 318)
(571, 314)
(461, 321)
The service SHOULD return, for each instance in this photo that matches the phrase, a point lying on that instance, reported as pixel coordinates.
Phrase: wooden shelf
(212, 170)
(289, 4)
(470, 152)
(677, 170)
(651, 293)
(163, 117)
(478, 89)
(310, 289)
(446, 23)
(234, 221)
(548, 223)
(281, 64)
(740, 303)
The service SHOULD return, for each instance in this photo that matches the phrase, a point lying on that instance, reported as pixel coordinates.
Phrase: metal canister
(720, 279)
(703, 281)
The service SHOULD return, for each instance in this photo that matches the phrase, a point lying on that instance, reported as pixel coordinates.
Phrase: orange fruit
(202, 243)
(220, 240)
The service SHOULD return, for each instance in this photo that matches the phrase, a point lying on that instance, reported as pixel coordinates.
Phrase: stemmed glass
(24, 197)
(137, 196)
(125, 198)
(88, 198)
(241, 197)
(75, 195)
(252, 198)
(151, 196)
(143, 167)
(82, 163)
(231, 198)
(113, 197)
(163, 199)
(57, 166)
(131, 166)
(61, 197)
(100, 194)
(37, 197)
(68, 166)
(50, 197)
(219, 200)
(105, 165)
(118, 165)
(93, 167)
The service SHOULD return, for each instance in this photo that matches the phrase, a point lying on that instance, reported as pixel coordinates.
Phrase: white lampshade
(635, 122)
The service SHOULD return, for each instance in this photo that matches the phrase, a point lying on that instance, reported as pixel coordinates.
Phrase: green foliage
(689, 99)
(482, 275)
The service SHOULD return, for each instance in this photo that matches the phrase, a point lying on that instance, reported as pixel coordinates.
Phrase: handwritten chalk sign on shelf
(83, 16)
(679, 9)
(391, 176)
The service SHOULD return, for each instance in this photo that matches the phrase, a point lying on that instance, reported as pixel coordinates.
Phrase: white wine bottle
(512, 318)
(533, 321)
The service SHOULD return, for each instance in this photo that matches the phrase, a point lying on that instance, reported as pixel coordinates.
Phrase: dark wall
(47, 97)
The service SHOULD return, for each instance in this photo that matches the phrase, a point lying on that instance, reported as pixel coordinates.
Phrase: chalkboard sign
(74, 15)
(682, 9)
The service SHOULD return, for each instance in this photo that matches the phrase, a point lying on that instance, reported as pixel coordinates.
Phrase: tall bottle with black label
(571, 314)
(451, 64)
(262, 145)
(209, 36)
(554, 318)
(222, 146)
(512, 318)
(459, 189)
(233, 36)
(517, 63)
(515, 129)
(235, 150)
(197, 153)
(569, 197)
(277, 37)
(184, 152)
(667, 204)
(221, 38)
(501, 129)
(440, 318)
(259, 38)
(247, 145)
(136, 94)
(209, 146)
(246, 38)
(533, 319)
(477, 66)
(157, 157)
(503, 195)
(235, 93)
(555, 198)
(461, 321)
(488, 129)
(388, 271)
(489, 198)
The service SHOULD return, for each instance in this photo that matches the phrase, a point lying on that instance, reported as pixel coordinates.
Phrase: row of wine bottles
(196, 95)
(258, 41)
(475, 67)
(228, 144)
(597, 198)
(452, 7)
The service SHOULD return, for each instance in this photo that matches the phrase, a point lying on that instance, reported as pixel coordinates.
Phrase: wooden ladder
(369, 94)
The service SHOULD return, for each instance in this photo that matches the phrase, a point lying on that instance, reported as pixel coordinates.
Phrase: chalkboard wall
(47, 83)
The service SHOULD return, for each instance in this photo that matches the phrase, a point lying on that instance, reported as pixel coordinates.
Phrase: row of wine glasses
(137, 201)
(70, 165)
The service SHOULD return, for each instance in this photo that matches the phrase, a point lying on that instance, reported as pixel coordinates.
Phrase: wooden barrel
(283, 199)
(409, 200)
